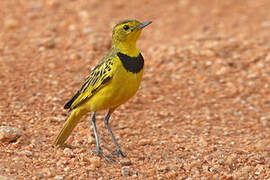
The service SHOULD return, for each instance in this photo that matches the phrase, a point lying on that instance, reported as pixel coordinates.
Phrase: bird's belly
(121, 88)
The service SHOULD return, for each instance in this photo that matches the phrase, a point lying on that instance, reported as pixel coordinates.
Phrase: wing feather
(97, 79)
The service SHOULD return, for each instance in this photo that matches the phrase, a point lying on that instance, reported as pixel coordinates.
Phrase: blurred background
(202, 112)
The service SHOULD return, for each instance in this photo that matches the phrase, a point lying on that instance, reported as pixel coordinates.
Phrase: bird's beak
(142, 25)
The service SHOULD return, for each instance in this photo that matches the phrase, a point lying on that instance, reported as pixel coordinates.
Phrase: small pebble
(95, 162)
(72, 27)
(265, 121)
(91, 139)
(49, 42)
(9, 134)
(28, 153)
(267, 59)
(144, 142)
(67, 169)
(221, 71)
(125, 171)
(6, 178)
(125, 162)
(162, 142)
(41, 49)
(11, 23)
(68, 152)
(59, 177)
(164, 169)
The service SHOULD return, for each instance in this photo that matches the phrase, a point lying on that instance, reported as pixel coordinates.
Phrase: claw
(119, 152)
(101, 153)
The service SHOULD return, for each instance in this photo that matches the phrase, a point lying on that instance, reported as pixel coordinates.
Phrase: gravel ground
(202, 112)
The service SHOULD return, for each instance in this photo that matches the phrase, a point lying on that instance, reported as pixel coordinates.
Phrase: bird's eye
(126, 27)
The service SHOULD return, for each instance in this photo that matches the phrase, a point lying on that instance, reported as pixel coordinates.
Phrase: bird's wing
(97, 79)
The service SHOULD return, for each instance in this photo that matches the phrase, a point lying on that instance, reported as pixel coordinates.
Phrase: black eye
(126, 27)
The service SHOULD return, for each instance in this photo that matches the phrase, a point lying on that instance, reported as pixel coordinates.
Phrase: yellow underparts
(121, 87)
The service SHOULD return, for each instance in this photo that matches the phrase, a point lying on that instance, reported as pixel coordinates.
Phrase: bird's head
(128, 31)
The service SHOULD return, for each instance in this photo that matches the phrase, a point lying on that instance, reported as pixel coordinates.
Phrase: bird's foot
(119, 152)
(101, 153)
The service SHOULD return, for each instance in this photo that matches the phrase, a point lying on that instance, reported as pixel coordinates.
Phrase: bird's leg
(98, 150)
(119, 151)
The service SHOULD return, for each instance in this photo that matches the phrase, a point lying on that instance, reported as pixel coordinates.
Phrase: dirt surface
(203, 109)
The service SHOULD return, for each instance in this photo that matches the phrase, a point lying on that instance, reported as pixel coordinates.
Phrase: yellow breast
(123, 86)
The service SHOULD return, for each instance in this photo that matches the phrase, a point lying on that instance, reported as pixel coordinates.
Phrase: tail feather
(69, 103)
(68, 127)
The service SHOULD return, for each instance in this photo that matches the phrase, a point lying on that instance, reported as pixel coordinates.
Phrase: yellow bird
(113, 81)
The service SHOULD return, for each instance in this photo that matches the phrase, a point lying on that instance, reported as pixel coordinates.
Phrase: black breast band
(132, 64)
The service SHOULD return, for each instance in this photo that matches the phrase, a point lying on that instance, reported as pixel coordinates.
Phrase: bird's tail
(68, 127)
